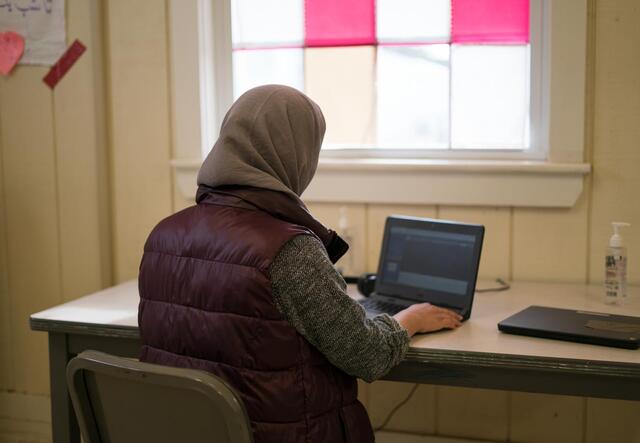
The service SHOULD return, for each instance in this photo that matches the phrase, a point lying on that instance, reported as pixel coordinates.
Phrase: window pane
(339, 23)
(267, 23)
(413, 96)
(266, 66)
(497, 21)
(413, 21)
(341, 81)
(489, 96)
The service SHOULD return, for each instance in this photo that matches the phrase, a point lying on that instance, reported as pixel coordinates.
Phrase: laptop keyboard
(380, 306)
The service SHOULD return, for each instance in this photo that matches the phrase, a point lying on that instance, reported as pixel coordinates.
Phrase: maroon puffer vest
(205, 303)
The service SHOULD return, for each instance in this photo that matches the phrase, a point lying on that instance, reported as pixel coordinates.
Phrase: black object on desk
(598, 328)
(366, 284)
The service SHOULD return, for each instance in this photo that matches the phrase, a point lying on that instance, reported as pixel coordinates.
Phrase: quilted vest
(206, 303)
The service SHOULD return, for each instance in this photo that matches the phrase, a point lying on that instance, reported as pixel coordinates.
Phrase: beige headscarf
(270, 139)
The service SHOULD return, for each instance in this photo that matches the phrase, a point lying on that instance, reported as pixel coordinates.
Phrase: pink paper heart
(11, 49)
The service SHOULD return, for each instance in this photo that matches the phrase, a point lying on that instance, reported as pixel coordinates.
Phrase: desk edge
(422, 356)
(57, 326)
(522, 362)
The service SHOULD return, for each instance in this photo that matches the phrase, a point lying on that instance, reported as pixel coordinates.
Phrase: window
(398, 75)
(548, 174)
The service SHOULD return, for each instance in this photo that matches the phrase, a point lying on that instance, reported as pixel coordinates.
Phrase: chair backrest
(119, 400)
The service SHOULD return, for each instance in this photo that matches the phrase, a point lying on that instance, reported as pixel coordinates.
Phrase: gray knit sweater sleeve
(310, 294)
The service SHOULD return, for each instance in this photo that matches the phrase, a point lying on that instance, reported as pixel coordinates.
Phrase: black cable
(503, 287)
(350, 279)
(398, 406)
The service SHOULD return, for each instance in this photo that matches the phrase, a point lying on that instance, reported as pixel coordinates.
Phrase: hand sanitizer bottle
(345, 264)
(615, 280)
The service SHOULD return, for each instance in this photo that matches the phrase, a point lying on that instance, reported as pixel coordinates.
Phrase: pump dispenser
(615, 281)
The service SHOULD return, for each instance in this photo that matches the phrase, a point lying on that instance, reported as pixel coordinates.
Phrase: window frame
(557, 111)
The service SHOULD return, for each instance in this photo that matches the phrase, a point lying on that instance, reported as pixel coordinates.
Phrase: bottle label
(615, 276)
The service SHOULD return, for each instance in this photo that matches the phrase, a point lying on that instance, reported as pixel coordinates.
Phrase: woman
(243, 285)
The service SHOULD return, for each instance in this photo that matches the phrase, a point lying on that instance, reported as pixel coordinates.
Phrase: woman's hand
(425, 317)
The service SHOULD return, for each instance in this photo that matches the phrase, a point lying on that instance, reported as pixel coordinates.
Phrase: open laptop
(426, 260)
(597, 328)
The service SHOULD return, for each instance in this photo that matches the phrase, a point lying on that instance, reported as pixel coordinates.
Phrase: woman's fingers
(447, 320)
(432, 318)
(450, 312)
(450, 323)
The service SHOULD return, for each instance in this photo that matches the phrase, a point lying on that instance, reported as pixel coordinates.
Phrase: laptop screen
(430, 260)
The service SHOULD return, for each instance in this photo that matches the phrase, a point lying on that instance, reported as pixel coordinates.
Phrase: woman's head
(270, 138)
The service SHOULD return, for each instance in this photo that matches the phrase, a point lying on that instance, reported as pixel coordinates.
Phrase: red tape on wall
(62, 66)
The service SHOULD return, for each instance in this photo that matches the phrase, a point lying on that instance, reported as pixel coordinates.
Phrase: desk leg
(63, 419)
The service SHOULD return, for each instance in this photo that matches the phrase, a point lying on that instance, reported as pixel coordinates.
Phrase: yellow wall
(54, 214)
(84, 175)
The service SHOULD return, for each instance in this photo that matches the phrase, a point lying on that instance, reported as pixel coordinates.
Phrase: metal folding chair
(119, 400)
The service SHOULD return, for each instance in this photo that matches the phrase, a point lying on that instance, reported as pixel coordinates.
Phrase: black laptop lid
(427, 260)
(581, 326)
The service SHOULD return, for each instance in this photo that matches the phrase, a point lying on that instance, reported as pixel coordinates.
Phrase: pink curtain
(490, 21)
(339, 23)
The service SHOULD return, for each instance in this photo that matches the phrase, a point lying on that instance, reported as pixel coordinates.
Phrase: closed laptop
(598, 328)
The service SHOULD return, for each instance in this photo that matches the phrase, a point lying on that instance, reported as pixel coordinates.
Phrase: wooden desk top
(113, 312)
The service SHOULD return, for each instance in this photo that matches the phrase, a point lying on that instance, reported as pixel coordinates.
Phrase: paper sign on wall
(41, 23)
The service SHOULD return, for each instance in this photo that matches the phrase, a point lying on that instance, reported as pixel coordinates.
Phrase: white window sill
(431, 181)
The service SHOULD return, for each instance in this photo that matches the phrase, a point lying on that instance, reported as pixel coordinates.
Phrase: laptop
(426, 260)
(597, 328)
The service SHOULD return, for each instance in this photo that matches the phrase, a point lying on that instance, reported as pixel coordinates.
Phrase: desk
(475, 355)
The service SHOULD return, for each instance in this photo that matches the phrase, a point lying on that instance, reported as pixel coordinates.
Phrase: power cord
(351, 279)
(366, 283)
(397, 407)
(503, 287)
